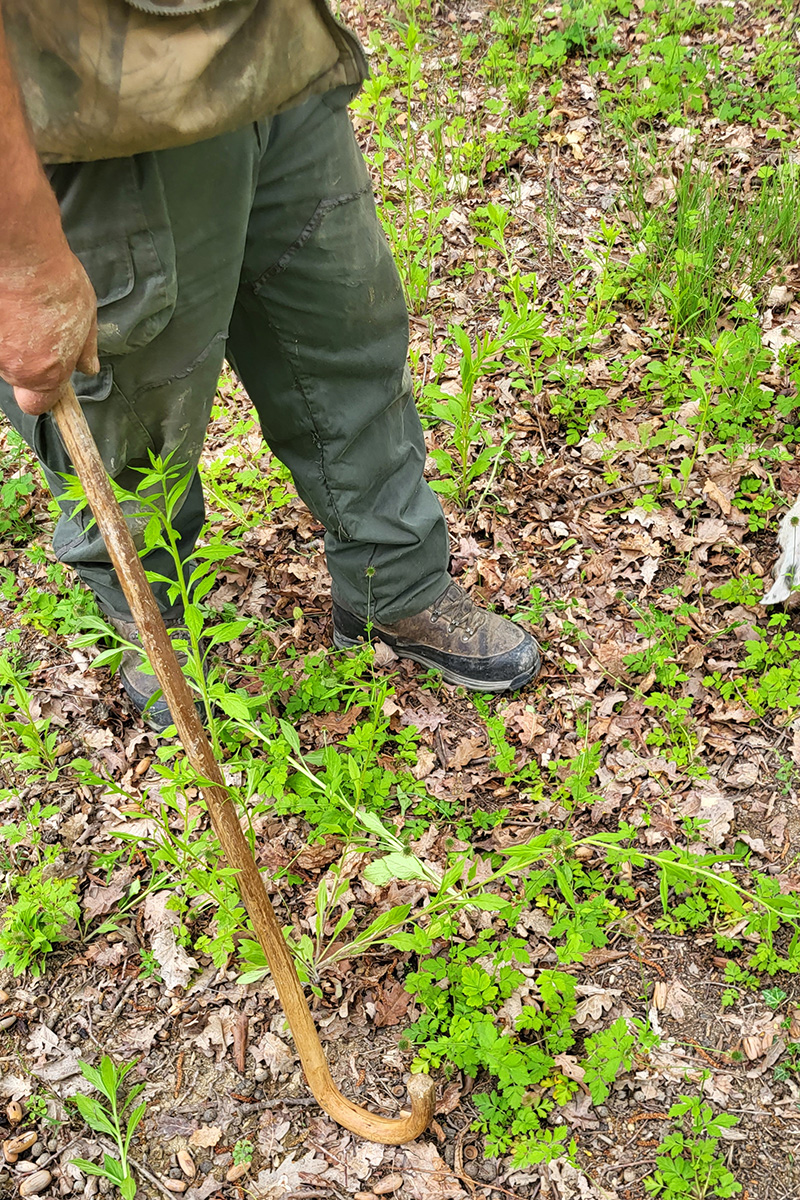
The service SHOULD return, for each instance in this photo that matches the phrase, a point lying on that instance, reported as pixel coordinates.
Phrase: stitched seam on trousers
(341, 533)
(321, 211)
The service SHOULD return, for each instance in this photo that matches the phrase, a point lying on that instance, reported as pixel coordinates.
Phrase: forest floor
(595, 212)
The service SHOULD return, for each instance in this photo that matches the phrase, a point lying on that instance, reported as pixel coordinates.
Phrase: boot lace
(460, 612)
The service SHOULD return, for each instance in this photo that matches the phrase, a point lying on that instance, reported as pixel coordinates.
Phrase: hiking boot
(470, 646)
(142, 687)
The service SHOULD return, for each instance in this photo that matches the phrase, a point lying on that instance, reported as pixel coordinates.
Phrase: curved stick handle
(111, 522)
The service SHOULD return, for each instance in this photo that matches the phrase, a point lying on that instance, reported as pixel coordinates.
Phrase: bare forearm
(48, 311)
(29, 216)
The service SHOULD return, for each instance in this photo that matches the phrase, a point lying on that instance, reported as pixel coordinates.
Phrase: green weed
(690, 1161)
(113, 1119)
(41, 918)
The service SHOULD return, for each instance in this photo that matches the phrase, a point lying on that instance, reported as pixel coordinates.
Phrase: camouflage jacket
(107, 78)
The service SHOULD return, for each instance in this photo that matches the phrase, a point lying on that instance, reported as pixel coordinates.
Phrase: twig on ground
(623, 487)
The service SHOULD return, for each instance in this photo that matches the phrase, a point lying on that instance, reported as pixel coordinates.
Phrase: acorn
(21, 1143)
(14, 1112)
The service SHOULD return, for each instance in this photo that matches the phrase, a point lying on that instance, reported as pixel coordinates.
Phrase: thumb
(88, 362)
(34, 403)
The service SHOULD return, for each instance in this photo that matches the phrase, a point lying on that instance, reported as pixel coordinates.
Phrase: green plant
(461, 995)
(36, 1111)
(113, 1118)
(689, 1162)
(40, 918)
(29, 739)
(242, 1152)
(16, 490)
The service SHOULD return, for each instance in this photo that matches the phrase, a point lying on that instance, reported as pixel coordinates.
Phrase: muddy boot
(142, 687)
(469, 645)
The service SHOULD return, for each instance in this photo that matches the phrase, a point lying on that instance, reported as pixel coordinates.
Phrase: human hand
(48, 322)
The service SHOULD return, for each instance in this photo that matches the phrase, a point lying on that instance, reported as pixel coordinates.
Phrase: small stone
(389, 1183)
(43, 1159)
(175, 1173)
(237, 1172)
(36, 1149)
(206, 1166)
(186, 1164)
(33, 1184)
(260, 1074)
(209, 1114)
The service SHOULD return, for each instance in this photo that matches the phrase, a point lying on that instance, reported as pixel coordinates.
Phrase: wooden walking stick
(111, 522)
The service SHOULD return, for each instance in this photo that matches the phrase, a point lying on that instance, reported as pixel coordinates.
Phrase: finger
(34, 403)
(88, 362)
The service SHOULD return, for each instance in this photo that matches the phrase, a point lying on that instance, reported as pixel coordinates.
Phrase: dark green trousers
(262, 245)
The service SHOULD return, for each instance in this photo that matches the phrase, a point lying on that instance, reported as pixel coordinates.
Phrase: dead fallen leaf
(289, 1176)
(594, 1004)
(97, 900)
(718, 496)
(392, 1005)
(677, 1000)
(426, 761)
(468, 749)
(205, 1136)
(451, 1098)
(176, 965)
(426, 1175)
(276, 1055)
(712, 807)
(217, 1035)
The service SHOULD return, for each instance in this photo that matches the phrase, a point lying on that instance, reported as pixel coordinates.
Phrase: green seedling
(690, 1164)
(41, 918)
(113, 1119)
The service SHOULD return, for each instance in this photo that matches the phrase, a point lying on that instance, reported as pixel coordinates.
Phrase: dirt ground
(99, 997)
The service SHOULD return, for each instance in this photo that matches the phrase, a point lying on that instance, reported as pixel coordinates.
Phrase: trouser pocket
(115, 215)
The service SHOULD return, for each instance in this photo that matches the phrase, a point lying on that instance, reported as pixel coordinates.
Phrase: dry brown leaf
(290, 1176)
(718, 496)
(451, 1098)
(105, 955)
(569, 1066)
(98, 739)
(467, 750)
(311, 858)
(218, 1033)
(276, 1055)
(97, 900)
(206, 1136)
(677, 1000)
(426, 761)
(175, 964)
(711, 806)
(202, 1191)
(426, 1175)
(392, 1005)
(594, 1004)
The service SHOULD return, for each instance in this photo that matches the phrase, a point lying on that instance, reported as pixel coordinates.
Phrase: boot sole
(466, 681)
